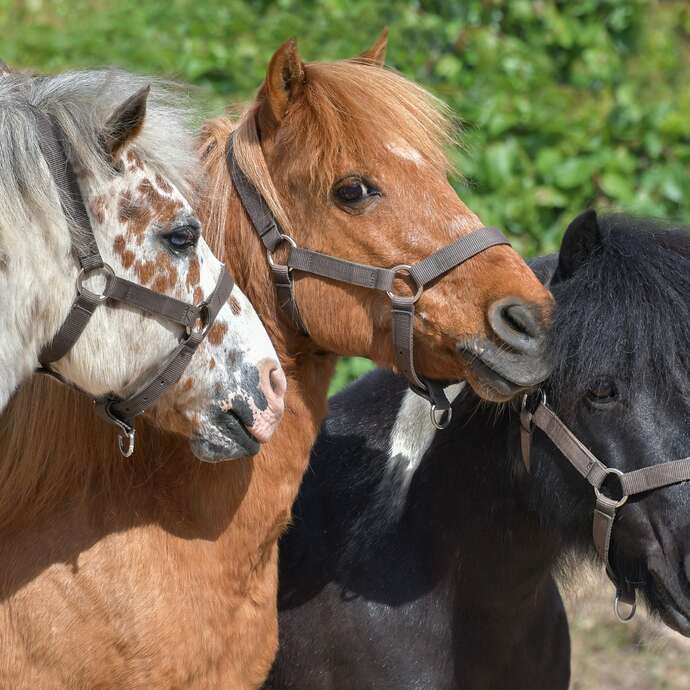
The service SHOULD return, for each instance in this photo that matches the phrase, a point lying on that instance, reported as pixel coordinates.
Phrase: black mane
(626, 309)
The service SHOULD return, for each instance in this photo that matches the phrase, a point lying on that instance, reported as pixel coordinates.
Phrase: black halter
(402, 307)
(612, 488)
(197, 319)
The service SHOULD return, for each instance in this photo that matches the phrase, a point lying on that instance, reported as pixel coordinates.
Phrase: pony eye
(603, 390)
(353, 193)
(182, 238)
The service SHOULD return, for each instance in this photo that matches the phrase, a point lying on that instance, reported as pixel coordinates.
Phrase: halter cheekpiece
(612, 488)
(195, 318)
(402, 306)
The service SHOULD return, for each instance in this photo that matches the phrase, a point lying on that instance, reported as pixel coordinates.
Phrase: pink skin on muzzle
(273, 385)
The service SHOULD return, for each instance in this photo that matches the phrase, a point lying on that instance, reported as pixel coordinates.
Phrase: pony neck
(452, 509)
(37, 291)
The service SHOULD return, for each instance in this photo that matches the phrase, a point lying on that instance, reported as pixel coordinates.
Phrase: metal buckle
(85, 274)
(598, 492)
(405, 268)
(202, 323)
(269, 254)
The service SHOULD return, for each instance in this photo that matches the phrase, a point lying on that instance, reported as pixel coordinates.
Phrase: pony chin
(231, 441)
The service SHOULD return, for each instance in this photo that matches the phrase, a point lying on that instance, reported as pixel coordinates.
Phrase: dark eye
(602, 391)
(182, 238)
(354, 193)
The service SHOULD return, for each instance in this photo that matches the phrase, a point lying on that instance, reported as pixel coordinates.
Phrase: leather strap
(73, 326)
(362, 275)
(52, 143)
(170, 371)
(596, 473)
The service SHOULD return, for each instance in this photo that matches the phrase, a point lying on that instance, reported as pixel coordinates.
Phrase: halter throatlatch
(612, 488)
(402, 306)
(196, 319)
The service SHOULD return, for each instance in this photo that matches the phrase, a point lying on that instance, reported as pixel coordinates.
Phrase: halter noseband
(362, 275)
(597, 474)
(196, 319)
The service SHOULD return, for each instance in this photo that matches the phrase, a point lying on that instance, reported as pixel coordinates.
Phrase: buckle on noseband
(406, 299)
(86, 273)
(202, 323)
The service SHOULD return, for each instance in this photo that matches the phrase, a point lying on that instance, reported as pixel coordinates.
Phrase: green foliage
(566, 104)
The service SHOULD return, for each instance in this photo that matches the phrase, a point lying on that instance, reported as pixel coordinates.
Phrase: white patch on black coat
(410, 439)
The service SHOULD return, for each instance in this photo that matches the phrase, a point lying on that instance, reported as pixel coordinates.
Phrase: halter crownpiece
(195, 318)
(608, 498)
(402, 307)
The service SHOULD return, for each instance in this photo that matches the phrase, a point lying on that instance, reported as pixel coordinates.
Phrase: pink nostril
(273, 385)
(278, 382)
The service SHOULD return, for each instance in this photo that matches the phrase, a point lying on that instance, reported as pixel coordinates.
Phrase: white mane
(81, 102)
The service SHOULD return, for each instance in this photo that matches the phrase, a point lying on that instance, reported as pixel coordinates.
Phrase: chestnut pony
(164, 573)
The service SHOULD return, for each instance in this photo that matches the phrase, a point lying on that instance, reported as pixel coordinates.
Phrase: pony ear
(5, 68)
(125, 123)
(376, 55)
(285, 81)
(581, 238)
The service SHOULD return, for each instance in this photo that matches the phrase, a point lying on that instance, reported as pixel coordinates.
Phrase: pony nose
(518, 324)
(273, 385)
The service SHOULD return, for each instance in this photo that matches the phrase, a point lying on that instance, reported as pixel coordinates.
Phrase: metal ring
(441, 418)
(130, 436)
(85, 273)
(617, 611)
(406, 268)
(284, 238)
(598, 492)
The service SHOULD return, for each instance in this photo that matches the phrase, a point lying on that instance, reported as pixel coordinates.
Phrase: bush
(566, 104)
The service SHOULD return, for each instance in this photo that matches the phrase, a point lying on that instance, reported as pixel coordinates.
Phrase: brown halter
(362, 275)
(197, 319)
(608, 498)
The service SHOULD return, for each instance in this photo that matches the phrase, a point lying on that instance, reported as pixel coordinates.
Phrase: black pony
(422, 559)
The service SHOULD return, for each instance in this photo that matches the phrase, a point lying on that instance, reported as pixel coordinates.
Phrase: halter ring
(269, 253)
(406, 269)
(129, 449)
(441, 418)
(617, 610)
(598, 492)
(85, 274)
